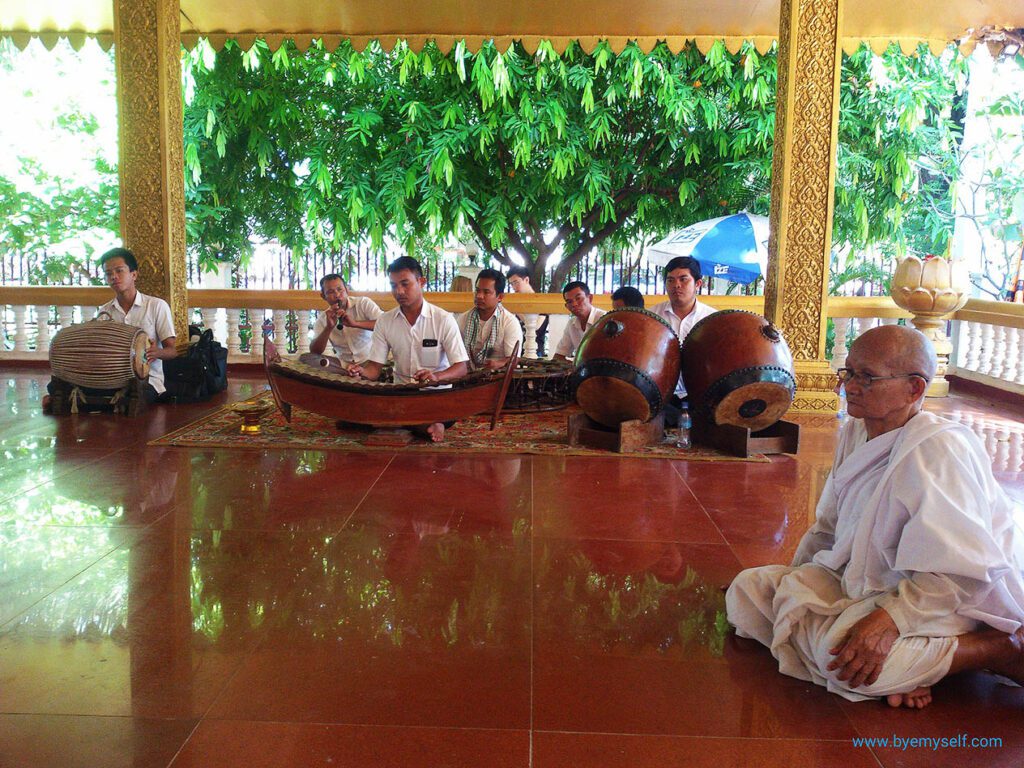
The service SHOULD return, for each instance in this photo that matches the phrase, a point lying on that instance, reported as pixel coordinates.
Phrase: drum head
(756, 406)
(611, 401)
(140, 365)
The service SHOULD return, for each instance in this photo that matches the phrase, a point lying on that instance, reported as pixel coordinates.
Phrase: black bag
(202, 372)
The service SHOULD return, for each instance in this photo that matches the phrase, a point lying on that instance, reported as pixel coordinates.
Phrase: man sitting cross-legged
(913, 569)
(424, 340)
(489, 331)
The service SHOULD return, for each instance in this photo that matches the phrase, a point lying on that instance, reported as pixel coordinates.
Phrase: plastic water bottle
(841, 414)
(683, 435)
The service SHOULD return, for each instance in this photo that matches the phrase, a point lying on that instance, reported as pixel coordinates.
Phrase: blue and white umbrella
(730, 247)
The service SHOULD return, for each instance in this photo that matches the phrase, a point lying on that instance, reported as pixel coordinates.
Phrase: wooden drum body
(100, 354)
(738, 370)
(626, 367)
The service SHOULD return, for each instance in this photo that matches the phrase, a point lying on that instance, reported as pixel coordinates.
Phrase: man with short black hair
(584, 315)
(347, 323)
(423, 339)
(627, 296)
(682, 311)
(489, 331)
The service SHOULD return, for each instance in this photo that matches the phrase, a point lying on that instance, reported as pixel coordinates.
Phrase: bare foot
(1012, 665)
(919, 698)
(436, 432)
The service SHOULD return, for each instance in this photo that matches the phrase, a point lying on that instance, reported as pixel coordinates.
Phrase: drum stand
(628, 437)
(128, 400)
(780, 437)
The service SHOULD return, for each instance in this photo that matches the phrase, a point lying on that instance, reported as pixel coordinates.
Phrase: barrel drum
(626, 367)
(738, 369)
(100, 354)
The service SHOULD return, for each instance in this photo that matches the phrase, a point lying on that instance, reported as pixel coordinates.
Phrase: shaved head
(905, 350)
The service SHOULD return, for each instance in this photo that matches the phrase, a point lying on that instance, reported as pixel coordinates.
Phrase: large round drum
(626, 367)
(738, 370)
(101, 354)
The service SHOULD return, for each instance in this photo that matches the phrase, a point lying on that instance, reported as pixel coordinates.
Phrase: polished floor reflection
(196, 607)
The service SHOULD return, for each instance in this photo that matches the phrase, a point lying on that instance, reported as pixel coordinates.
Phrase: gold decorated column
(147, 37)
(803, 177)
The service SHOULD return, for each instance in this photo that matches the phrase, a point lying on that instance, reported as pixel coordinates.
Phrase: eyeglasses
(864, 380)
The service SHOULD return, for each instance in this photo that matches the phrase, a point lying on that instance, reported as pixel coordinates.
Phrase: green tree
(540, 155)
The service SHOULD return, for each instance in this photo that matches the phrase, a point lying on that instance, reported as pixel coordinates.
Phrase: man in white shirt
(133, 307)
(682, 311)
(584, 315)
(490, 332)
(347, 323)
(424, 340)
(913, 568)
(535, 326)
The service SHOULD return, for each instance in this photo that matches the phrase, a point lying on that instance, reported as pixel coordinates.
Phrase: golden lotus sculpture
(931, 289)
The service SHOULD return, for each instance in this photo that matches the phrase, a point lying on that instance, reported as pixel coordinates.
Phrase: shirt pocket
(430, 353)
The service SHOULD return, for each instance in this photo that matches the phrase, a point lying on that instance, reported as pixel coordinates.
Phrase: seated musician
(519, 281)
(627, 296)
(914, 568)
(347, 324)
(682, 311)
(424, 340)
(489, 331)
(584, 315)
(131, 306)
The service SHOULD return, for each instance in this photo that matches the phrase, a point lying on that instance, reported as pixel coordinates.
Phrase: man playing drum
(424, 340)
(347, 324)
(133, 307)
(682, 311)
(489, 331)
(584, 315)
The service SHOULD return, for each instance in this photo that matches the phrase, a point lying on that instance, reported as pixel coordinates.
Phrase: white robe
(913, 522)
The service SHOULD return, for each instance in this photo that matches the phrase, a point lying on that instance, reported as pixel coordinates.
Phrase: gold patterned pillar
(803, 177)
(147, 36)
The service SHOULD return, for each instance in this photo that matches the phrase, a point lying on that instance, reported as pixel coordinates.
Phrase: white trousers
(801, 613)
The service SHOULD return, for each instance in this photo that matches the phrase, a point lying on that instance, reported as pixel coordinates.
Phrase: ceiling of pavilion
(877, 22)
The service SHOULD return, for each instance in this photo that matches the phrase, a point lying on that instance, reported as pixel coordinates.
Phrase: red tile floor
(163, 606)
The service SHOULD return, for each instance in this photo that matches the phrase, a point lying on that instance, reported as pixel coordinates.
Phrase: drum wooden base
(626, 437)
(129, 400)
(780, 437)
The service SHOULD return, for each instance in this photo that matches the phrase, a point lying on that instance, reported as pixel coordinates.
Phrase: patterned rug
(534, 433)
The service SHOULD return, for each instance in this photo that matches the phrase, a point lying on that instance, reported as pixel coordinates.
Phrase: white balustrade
(234, 339)
(985, 349)
(530, 335)
(42, 330)
(998, 351)
(302, 336)
(256, 339)
(281, 330)
(21, 329)
(973, 356)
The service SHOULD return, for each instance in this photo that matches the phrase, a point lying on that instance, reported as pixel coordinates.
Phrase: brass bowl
(251, 411)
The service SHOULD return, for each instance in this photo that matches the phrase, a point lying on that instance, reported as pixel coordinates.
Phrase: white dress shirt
(573, 334)
(351, 345)
(509, 333)
(153, 316)
(432, 342)
(682, 326)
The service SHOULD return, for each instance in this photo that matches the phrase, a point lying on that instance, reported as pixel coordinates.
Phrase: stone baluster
(43, 329)
(839, 348)
(234, 339)
(65, 316)
(256, 340)
(985, 353)
(998, 351)
(530, 335)
(281, 331)
(1014, 351)
(973, 355)
(20, 328)
(861, 324)
(302, 336)
(209, 316)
